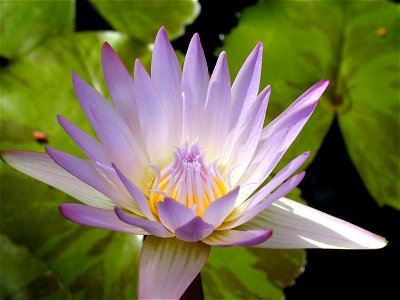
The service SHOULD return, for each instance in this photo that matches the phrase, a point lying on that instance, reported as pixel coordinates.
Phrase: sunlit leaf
(143, 18)
(27, 24)
(355, 45)
(90, 263)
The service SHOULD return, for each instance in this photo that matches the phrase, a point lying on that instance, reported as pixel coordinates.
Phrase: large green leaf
(24, 276)
(90, 263)
(355, 44)
(26, 24)
(250, 273)
(143, 18)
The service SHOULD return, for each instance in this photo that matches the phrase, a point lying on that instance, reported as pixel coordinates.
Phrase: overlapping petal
(97, 217)
(41, 167)
(152, 227)
(121, 88)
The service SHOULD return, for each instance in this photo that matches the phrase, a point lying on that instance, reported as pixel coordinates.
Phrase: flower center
(189, 180)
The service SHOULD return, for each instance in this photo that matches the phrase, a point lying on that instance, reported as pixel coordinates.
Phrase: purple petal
(136, 194)
(243, 140)
(218, 210)
(174, 214)
(88, 144)
(249, 213)
(277, 180)
(194, 87)
(41, 167)
(268, 156)
(85, 171)
(195, 230)
(121, 87)
(166, 74)
(296, 225)
(168, 266)
(120, 144)
(217, 108)
(97, 217)
(225, 238)
(152, 227)
(246, 85)
(152, 116)
(89, 99)
(294, 118)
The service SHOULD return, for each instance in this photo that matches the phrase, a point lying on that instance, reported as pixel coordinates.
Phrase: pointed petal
(194, 87)
(121, 87)
(92, 148)
(41, 167)
(225, 238)
(277, 180)
(218, 210)
(193, 231)
(262, 165)
(168, 266)
(152, 117)
(89, 99)
(120, 144)
(152, 227)
(174, 214)
(243, 140)
(166, 74)
(136, 194)
(298, 113)
(299, 226)
(246, 85)
(291, 120)
(85, 171)
(217, 108)
(266, 200)
(97, 217)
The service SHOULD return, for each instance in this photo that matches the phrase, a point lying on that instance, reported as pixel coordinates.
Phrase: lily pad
(250, 273)
(355, 45)
(90, 263)
(25, 276)
(142, 18)
(27, 24)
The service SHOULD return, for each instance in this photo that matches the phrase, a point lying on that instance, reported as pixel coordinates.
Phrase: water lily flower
(180, 158)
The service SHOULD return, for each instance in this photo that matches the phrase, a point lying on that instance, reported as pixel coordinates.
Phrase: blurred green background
(354, 44)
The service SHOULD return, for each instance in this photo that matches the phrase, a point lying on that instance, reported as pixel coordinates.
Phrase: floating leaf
(355, 45)
(143, 18)
(27, 24)
(25, 276)
(250, 273)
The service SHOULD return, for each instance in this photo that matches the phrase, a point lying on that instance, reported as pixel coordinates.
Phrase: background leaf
(250, 273)
(27, 24)
(143, 18)
(27, 276)
(355, 44)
